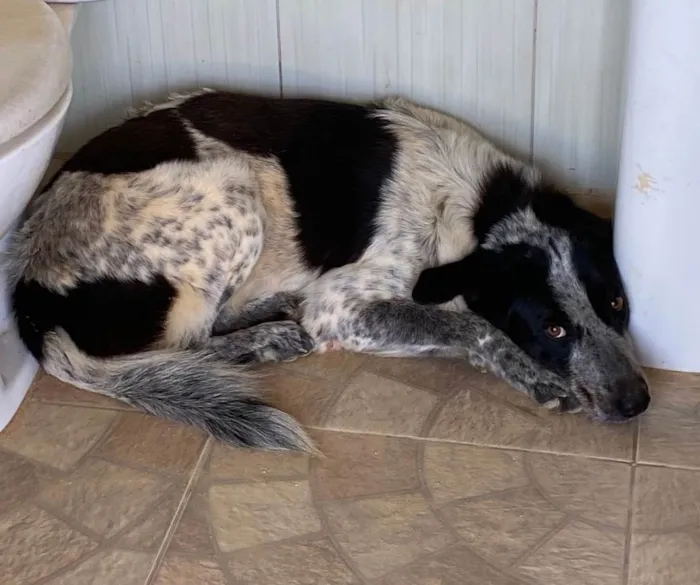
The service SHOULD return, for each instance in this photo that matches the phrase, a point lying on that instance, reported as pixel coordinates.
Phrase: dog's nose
(635, 400)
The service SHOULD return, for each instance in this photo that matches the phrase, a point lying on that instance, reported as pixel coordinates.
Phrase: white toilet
(35, 91)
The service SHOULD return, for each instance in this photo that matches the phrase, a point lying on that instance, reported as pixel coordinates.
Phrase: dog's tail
(194, 387)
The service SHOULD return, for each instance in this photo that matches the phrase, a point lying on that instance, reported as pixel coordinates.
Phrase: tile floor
(433, 475)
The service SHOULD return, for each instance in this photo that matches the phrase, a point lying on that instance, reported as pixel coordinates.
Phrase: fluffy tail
(192, 387)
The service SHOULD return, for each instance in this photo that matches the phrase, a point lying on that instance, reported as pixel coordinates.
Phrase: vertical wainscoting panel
(339, 48)
(581, 47)
(471, 58)
(128, 51)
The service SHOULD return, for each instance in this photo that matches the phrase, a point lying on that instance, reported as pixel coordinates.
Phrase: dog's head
(544, 273)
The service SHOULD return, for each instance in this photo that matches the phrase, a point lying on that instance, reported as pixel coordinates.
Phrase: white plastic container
(657, 211)
(35, 92)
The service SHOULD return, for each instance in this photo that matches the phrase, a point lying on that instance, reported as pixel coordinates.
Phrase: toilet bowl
(35, 92)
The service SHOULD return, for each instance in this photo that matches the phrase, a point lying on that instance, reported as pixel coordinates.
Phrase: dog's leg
(279, 341)
(283, 306)
(404, 328)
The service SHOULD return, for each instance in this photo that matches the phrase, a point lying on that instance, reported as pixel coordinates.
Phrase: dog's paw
(287, 306)
(570, 405)
(549, 390)
(565, 405)
(282, 341)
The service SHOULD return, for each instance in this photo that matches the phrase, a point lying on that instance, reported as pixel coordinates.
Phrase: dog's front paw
(570, 405)
(549, 390)
(566, 405)
(282, 341)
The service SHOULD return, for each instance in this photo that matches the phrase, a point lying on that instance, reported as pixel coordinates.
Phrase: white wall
(542, 77)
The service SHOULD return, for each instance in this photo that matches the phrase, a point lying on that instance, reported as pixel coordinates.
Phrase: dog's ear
(559, 210)
(443, 283)
(504, 192)
(439, 284)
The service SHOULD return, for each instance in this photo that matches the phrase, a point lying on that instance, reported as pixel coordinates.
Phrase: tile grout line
(104, 543)
(474, 444)
(322, 515)
(179, 511)
(541, 543)
(438, 513)
(628, 535)
(630, 503)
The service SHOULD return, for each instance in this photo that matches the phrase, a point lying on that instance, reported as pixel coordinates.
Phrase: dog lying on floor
(221, 229)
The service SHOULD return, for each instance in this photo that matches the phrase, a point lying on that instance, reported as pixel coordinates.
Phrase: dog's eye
(618, 304)
(556, 332)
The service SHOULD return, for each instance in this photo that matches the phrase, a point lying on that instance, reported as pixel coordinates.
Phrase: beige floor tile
(114, 567)
(245, 515)
(442, 376)
(670, 431)
(20, 479)
(69, 516)
(664, 559)
(147, 533)
(306, 398)
(193, 534)
(591, 490)
(454, 472)
(385, 533)
(457, 566)
(374, 404)
(245, 498)
(299, 563)
(35, 544)
(247, 465)
(508, 505)
(336, 366)
(177, 570)
(503, 527)
(55, 435)
(144, 441)
(666, 499)
(362, 465)
(103, 497)
(579, 554)
(46, 388)
(502, 417)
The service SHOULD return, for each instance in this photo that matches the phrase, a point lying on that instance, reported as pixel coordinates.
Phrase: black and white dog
(220, 229)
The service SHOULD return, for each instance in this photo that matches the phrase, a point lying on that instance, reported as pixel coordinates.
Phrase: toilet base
(17, 371)
(23, 161)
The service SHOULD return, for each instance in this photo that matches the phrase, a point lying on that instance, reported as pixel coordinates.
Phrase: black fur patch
(136, 145)
(505, 192)
(103, 318)
(336, 156)
(598, 271)
(509, 288)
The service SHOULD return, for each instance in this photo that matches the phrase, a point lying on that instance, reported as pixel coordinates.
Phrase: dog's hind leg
(404, 328)
(263, 334)
(276, 341)
(282, 306)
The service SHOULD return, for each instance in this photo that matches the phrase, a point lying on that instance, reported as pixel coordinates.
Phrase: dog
(219, 229)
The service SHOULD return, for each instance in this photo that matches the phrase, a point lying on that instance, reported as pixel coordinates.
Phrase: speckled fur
(221, 230)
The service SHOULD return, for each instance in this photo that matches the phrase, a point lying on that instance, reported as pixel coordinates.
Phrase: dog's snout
(634, 399)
